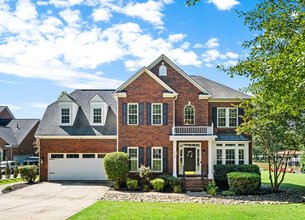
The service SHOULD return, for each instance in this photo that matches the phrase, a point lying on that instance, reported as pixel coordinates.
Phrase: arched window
(162, 70)
(189, 115)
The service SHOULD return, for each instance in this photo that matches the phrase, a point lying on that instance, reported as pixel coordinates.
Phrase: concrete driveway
(50, 200)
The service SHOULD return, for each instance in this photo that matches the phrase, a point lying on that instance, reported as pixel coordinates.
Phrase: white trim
(173, 65)
(152, 114)
(175, 159)
(189, 104)
(169, 95)
(227, 117)
(128, 104)
(192, 138)
(152, 159)
(76, 137)
(92, 116)
(236, 150)
(120, 94)
(140, 72)
(137, 157)
(201, 96)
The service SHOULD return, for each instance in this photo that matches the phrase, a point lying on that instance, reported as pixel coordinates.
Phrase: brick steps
(193, 184)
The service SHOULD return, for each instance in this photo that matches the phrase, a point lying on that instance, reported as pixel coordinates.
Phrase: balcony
(192, 130)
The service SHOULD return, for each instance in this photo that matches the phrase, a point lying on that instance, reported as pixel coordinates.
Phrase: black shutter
(165, 113)
(124, 149)
(148, 114)
(141, 113)
(148, 157)
(240, 113)
(165, 160)
(124, 113)
(214, 117)
(141, 156)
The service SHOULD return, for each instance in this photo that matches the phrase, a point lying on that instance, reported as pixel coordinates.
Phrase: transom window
(133, 110)
(156, 114)
(156, 159)
(133, 159)
(97, 115)
(230, 156)
(189, 115)
(227, 117)
(65, 115)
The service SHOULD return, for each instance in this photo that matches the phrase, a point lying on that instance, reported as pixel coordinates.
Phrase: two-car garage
(76, 166)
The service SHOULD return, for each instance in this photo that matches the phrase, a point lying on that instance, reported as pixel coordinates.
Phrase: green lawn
(138, 210)
(5, 181)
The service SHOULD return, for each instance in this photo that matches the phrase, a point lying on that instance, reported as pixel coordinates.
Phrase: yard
(9, 181)
(137, 210)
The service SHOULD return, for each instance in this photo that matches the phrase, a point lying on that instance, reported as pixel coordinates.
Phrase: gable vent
(162, 70)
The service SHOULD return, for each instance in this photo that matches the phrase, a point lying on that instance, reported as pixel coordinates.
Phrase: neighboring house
(294, 158)
(16, 136)
(161, 117)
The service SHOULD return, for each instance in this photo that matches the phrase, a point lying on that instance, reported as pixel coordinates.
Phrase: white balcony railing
(192, 130)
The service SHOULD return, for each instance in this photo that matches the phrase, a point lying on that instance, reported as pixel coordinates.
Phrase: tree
(275, 66)
(192, 2)
(62, 94)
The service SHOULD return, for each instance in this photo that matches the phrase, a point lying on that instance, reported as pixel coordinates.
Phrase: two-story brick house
(161, 117)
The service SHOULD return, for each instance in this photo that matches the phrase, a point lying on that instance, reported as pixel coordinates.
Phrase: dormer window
(65, 116)
(162, 70)
(98, 112)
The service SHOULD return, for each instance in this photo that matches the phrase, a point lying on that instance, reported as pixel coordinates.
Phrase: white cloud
(212, 43)
(10, 82)
(231, 55)
(25, 10)
(199, 45)
(211, 55)
(224, 4)
(72, 17)
(101, 14)
(176, 37)
(229, 63)
(185, 45)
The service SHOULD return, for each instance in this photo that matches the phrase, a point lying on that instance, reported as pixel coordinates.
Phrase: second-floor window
(65, 115)
(133, 113)
(227, 117)
(189, 115)
(97, 115)
(156, 114)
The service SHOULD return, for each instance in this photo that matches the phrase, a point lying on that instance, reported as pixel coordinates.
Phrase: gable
(5, 113)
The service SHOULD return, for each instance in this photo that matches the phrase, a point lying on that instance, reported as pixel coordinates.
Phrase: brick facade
(72, 146)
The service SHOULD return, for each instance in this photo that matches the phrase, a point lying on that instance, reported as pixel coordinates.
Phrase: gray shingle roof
(49, 124)
(231, 137)
(8, 136)
(2, 108)
(21, 128)
(219, 91)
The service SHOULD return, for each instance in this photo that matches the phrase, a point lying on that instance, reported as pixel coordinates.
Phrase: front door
(190, 159)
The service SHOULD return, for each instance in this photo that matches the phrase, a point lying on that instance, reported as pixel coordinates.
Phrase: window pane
(65, 115)
(156, 114)
(232, 117)
(133, 158)
(221, 122)
(189, 115)
(88, 155)
(133, 165)
(97, 115)
(156, 165)
(222, 112)
(241, 156)
(230, 156)
(72, 155)
(57, 156)
(133, 114)
(219, 156)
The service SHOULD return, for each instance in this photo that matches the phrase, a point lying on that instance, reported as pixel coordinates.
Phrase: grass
(8, 181)
(143, 210)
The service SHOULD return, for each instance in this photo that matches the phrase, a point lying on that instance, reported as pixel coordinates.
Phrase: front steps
(194, 184)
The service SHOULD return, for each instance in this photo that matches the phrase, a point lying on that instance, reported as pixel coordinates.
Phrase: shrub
(7, 171)
(28, 173)
(212, 188)
(132, 185)
(158, 184)
(145, 188)
(8, 188)
(221, 172)
(116, 166)
(243, 183)
(228, 193)
(170, 180)
(116, 185)
(16, 171)
(145, 174)
(177, 189)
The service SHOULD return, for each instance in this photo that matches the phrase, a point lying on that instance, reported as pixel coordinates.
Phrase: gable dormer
(68, 109)
(98, 111)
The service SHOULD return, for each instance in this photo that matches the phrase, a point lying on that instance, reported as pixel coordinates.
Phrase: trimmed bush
(177, 189)
(28, 173)
(158, 184)
(132, 185)
(228, 193)
(212, 188)
(221, 171)
(243, 183)
(116, 166)
(170, 180)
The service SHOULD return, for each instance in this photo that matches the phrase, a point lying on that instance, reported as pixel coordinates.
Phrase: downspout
(174, 113)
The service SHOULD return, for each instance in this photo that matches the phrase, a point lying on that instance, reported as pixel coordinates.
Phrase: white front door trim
(197, 146)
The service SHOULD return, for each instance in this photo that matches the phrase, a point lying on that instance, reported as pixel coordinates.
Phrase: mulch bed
(15, 187)
(283, 197)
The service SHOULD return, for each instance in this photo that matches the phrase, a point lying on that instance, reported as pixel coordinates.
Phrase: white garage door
(73, 166)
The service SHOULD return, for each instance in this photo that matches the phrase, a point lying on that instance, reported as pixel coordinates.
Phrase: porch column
(210, 161)
(175, 158)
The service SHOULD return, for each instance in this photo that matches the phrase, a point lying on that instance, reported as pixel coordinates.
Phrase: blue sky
(48, 46)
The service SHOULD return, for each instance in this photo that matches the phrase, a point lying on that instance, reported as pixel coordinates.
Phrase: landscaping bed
(14, 187)
(283, 197)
